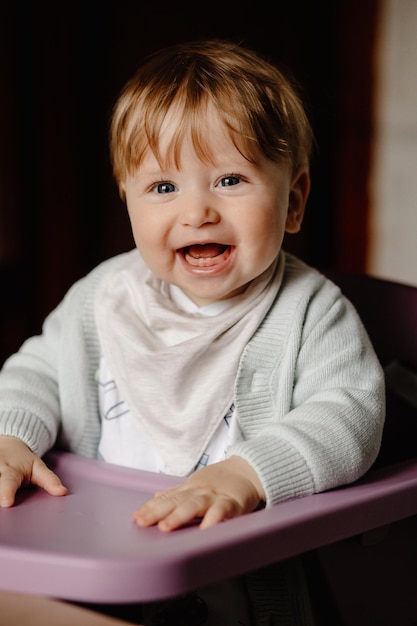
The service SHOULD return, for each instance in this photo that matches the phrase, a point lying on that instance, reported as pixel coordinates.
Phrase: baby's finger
(190, 506)
(154, 510)
(171, 509)
(221, 510)
(10, 481)
(45, 478)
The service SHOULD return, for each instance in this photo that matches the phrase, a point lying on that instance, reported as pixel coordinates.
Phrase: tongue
(205, 251)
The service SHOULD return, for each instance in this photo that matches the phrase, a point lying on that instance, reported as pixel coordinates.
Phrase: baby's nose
(198, 211)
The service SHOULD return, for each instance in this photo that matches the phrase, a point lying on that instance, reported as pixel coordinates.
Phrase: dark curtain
(62, 66)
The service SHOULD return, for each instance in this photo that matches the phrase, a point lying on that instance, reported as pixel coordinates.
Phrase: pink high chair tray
(85, 546)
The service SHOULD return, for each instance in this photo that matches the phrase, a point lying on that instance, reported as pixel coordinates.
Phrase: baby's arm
(20, 466)
(215, 493)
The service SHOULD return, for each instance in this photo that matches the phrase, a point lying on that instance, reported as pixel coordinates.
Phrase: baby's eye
(229, 181)
(163, 187)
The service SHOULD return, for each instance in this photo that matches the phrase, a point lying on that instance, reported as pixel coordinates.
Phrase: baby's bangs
(188, 124)
(192, 122)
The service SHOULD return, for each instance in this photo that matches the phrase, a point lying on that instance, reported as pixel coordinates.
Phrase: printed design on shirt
(203, 462)
(218, 448)
(228, 417)
(115, 408)
(124, 442)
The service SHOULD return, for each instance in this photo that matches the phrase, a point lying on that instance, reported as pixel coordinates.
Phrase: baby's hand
(215, 493)
(20, 466)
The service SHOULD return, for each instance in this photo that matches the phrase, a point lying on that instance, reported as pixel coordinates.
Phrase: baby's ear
(300, 188)
(122, 191)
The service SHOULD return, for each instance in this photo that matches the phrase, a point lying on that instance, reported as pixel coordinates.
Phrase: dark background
(62, 66)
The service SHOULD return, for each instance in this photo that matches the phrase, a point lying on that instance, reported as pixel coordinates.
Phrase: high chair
(359, 541)
(370, 577)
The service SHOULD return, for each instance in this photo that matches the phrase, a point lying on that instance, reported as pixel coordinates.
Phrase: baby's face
(211, 228)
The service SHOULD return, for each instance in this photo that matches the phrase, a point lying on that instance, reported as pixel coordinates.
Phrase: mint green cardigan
(309, 392)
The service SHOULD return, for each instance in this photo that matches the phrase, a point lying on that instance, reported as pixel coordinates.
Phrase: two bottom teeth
(205, 254)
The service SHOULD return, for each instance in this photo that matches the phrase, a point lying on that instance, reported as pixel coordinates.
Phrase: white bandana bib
(175, 369)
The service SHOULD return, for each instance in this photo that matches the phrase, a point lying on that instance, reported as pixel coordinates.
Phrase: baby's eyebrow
(144, 173)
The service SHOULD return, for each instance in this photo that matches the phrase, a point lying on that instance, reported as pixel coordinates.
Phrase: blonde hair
(258, 105)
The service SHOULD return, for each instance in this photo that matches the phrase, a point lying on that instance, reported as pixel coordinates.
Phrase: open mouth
(206, 255)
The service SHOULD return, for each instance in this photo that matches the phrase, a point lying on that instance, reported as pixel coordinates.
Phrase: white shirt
(124, 442)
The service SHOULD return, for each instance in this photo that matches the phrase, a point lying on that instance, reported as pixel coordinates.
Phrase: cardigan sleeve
(29, 390)
(318, 418)
(48, 388)
(45, 387)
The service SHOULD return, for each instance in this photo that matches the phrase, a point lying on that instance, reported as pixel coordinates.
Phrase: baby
(207, 352)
